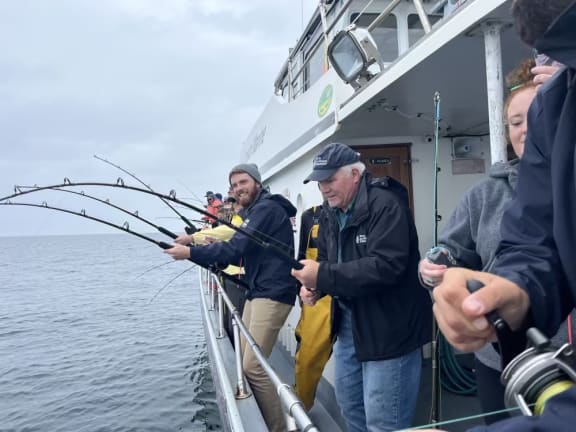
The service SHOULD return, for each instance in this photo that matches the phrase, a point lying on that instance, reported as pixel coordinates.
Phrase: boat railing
(218, 301)
(288, 78)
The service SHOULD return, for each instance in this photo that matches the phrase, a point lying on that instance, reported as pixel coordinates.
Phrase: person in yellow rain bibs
(313, 329)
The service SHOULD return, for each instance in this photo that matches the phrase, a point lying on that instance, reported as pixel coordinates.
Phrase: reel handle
(510, 344)
(493, 317)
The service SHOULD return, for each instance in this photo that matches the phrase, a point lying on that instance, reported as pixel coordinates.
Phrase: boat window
(315, 68)
(415, 29)
(385, 35)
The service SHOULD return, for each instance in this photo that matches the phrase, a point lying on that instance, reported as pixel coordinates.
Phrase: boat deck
(326, 416)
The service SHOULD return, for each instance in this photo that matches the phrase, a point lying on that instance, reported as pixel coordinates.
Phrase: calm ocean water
(83, 349)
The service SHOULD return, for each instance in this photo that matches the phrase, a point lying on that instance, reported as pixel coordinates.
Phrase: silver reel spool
(537, 374)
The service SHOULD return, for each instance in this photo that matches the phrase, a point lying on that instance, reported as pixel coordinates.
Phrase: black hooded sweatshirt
(267, 270)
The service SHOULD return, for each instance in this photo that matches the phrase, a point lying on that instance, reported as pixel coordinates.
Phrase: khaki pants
(264, 318)
(314, 348)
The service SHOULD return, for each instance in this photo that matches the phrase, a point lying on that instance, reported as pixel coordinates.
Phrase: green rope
(453, 376)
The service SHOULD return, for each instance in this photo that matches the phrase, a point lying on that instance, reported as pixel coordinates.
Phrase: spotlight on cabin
(354, 56)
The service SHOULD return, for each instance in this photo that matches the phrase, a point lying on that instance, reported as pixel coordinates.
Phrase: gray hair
(347, 169)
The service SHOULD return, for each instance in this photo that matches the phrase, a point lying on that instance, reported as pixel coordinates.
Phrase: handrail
(311, 52)
(233, 412)
(286, 68)
(290, 403)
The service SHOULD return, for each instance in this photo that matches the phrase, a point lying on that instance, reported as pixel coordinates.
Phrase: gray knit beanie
(248, 168)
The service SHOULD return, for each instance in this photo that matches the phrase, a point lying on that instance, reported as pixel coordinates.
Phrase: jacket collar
(559, 41)
(360, 210)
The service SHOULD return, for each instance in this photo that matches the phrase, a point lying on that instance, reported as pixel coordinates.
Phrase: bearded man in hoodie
(272, 291)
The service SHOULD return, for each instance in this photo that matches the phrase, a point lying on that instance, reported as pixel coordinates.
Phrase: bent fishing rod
(269, 244)
(190, 229)
(124, 228)
(107, 202)
(182, 217)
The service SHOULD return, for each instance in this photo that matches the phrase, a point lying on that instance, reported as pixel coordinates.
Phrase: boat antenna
(184, 218)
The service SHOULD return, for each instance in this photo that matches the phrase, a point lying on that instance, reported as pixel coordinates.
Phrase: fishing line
(182, 217)
(261, 239)
(154, 268)
(195, 196)
(169, 282)
(460, 419)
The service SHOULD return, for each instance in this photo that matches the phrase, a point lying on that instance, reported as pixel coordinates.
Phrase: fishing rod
(125, 228)
(261, 239)
(190, 229)
(182, 217)
(107, 202)
(435, 414)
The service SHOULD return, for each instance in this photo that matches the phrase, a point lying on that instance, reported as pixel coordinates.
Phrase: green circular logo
(325, 100)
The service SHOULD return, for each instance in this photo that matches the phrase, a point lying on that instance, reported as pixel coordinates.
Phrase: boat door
(389, 160)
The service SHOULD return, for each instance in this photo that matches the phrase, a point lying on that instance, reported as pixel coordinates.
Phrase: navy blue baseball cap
(331, 159)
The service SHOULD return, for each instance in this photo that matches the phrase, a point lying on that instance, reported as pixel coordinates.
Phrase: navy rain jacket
(538, 248)
(267, 271)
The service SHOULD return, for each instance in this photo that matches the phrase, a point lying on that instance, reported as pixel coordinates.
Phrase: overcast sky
(167, 89)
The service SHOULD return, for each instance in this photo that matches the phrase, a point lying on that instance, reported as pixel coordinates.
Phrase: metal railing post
(290, 403)
(423, 17)
(211, 287)
(241, 392)
(495, 90)
(220, 315)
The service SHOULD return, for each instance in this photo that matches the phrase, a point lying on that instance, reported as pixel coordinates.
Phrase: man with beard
(272, 291)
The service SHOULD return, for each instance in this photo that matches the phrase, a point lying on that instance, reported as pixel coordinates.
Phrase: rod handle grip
(164, 245)
(167, 232)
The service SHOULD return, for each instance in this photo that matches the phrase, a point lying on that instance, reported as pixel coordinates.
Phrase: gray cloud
(166, 89)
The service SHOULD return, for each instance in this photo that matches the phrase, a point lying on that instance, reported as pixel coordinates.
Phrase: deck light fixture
(352, 53)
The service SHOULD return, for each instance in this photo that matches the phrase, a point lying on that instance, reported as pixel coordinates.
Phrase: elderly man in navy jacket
(368, 259)
(536, 262)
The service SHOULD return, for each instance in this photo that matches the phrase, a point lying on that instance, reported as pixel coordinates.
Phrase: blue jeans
(374, 395)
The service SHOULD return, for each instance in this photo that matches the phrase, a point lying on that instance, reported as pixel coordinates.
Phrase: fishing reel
(537, 374)
(441, 256)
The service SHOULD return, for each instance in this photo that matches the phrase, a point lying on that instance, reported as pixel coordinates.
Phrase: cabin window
(316, 66)
(385, 35)
(415, 29)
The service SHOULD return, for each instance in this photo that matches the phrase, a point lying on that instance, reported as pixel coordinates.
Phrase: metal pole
(211, 288)
(495, 92)
(241, 392)
(383, 15)
(291, 404)
(423, 17)
(220, 316)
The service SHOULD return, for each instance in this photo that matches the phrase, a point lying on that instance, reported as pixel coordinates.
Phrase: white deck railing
(218, 300)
